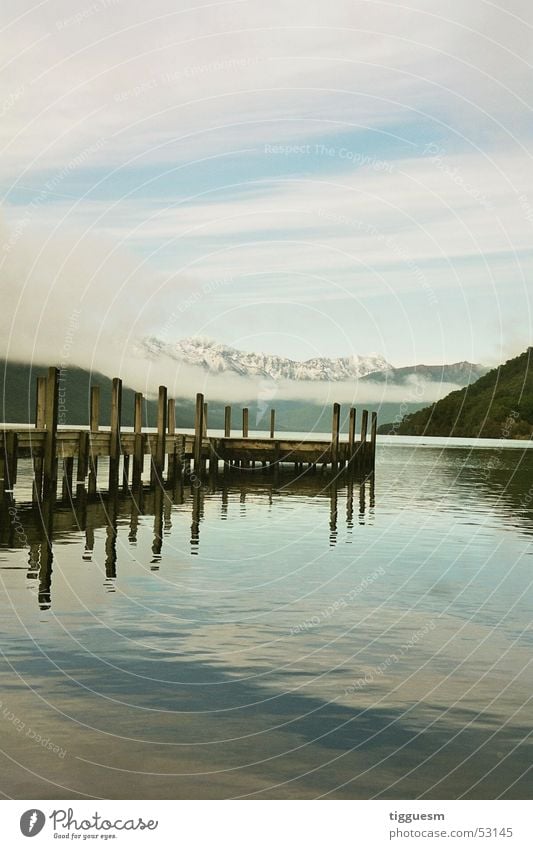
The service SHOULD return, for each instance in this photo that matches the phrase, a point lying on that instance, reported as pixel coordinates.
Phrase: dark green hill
(499, 404)
(18, 382)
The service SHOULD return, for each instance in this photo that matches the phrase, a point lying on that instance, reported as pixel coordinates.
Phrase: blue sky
(322, 181)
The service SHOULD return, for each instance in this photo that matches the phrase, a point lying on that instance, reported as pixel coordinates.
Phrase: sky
(304, 179)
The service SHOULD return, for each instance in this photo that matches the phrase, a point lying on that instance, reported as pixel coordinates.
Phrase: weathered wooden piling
(179, 459)
(10, 462)
(272, 423)
(204, 429)
(40, 403)
(40, 424)
(94, 425)
(335, 434)
(198, 433)
(351, 434)
(158, 458)
(362, 447)
(114, 440)
(83, 459)
(50, 436)
(138, 441)
(171, 430)
(245, 422)
(373, 439)
(66, 483)
(227, 421)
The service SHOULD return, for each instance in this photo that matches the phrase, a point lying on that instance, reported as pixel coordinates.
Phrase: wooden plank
(245, 419)
(272, 423)
(227, 421)
(198, 432)
(114, 442)
(50, 451)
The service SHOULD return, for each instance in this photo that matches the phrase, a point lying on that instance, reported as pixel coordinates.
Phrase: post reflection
(163, 510)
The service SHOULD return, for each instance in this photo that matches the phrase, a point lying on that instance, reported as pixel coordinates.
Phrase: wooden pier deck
(173, 455)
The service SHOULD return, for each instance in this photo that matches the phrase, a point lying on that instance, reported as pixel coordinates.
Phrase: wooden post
(272, 423)
(362, 447)
(94, 411)
(351, 434)
(50, 437)
(83, 459)
(171, 430)
(245, 422)
(94, 424)
(275, 464)
(40, 403)
(114, 441)
(3, 472)
(204, 432)
(335, 426)
(351, 429)
(198, 433)
(158, 462)
(179, 459)
(213, 460)
(10, 464)
(66, 484)
(138, 450)
(40, 413)
(373, 439)
(227, 422)
(126, 471)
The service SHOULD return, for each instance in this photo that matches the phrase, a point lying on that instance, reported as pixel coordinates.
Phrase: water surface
(296, 640)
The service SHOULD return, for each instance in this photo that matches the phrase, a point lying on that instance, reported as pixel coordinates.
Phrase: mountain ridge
(218, 358)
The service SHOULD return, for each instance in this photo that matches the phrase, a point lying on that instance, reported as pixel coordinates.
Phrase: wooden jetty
(173, 455)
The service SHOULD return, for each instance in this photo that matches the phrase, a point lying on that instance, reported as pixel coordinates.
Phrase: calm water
(299, 641)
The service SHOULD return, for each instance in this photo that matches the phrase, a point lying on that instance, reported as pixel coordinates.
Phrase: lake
(318, 638)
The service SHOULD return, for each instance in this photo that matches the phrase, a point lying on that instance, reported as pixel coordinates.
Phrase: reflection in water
(158, 502)
(296, 640)
(157, 544)
(111, 542)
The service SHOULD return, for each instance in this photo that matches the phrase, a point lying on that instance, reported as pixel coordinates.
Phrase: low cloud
(77, 300)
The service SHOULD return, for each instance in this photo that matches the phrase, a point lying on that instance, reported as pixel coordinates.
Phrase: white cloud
(143, 77)
(109, 84)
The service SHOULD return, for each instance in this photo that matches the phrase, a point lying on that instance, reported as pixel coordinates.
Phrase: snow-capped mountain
(217, 358)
